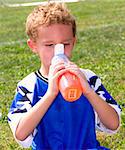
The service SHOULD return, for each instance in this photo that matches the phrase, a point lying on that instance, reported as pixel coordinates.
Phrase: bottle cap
(59, 49)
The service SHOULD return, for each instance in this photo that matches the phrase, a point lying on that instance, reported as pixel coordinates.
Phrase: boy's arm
(107, 114)
(32, 118)
(28, 116)
(97, 96)
(23, 118)
(21, 104)
(107, 111)
(101, 127)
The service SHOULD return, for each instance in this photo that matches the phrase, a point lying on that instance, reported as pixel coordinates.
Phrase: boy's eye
(66, 44)
(49, 45)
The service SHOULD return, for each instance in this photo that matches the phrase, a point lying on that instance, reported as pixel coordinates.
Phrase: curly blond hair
(48, 14)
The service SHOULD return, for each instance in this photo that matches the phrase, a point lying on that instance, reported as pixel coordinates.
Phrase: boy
(39, 116)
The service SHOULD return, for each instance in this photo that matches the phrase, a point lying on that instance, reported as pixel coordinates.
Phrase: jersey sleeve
(95, 83)
(21, 104)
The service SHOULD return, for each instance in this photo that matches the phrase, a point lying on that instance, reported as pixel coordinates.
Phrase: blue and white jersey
(66, 125)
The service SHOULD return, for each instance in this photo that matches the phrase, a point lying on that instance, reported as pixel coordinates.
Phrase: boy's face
(48, 37)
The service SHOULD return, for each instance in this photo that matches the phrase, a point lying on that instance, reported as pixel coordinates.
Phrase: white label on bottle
(72, 93)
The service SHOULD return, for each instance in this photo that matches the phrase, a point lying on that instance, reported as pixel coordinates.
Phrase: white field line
(102, 26)
(39, 3)
(12, 42)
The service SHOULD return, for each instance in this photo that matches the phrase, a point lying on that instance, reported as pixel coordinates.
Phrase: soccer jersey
(66, 125)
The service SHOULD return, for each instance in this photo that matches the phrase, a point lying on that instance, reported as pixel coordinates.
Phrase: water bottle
(69, 84)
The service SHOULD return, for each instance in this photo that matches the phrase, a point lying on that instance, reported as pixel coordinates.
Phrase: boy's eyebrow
(51, 41)
(67, 40)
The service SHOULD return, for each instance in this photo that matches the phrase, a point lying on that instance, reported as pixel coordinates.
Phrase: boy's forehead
(54, 29)
(56, 33)
(56, 25)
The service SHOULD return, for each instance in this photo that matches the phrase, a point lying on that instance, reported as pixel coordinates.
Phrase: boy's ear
(74, 40)
(32, 45)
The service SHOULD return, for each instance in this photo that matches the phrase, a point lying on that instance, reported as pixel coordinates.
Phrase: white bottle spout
(59, 49)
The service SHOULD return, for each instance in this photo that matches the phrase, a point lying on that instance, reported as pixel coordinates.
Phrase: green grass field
(100, 47)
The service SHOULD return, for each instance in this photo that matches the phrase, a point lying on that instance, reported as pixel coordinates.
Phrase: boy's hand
(55, 71)
(73, 68)
(58, 69)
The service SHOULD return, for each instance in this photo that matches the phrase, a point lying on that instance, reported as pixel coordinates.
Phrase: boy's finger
(59, 73)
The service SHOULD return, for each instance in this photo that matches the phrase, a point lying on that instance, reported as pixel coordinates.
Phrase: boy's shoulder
(88, 73)
(29, 81)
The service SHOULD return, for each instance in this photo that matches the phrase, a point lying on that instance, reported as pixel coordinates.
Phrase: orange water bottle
(69, 84)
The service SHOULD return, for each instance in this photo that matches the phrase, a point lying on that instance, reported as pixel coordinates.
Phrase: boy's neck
(44, 72)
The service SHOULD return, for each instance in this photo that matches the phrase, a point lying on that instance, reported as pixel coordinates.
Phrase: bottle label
(72, 93)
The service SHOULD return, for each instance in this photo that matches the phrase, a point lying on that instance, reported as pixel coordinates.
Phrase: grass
(100, 47)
